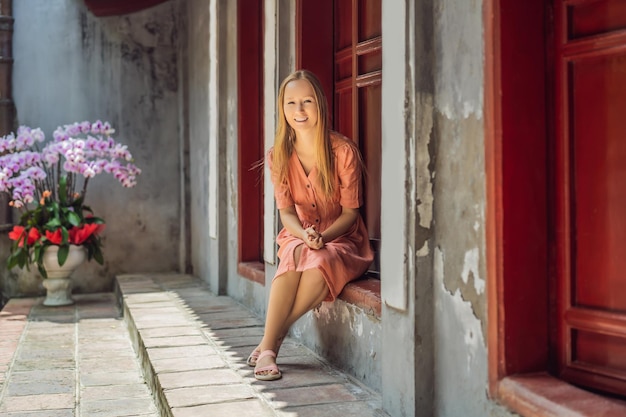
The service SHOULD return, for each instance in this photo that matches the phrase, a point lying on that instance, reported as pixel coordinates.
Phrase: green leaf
(53, 224)
(97, 255)
(38, 253)
(42, 270)
(64, 251)
(63, 189)
(73, 218)
(12, 260)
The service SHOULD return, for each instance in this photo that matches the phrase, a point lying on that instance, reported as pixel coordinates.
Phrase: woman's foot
(254, 355)
(266, 369)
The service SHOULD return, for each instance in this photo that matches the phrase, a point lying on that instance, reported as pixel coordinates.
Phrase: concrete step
(193, 347)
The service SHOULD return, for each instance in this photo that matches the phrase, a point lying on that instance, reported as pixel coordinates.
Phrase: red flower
(55, 237)
(18, 234)
(80, 234)
(33, 236)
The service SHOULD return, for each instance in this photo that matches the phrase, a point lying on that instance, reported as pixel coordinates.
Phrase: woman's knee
(315, 279)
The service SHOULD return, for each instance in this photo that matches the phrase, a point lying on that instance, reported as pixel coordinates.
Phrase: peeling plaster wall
(347, 337)
(71, 66)
(460, 316)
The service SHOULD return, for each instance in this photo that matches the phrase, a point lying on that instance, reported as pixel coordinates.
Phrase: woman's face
(300, 106)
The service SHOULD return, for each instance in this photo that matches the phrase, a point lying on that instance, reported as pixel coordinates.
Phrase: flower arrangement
(49, 186)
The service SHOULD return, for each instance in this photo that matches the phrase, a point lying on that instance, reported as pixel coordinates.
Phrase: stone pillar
(7, 108)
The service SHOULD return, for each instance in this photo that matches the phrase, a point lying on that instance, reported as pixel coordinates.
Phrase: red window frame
(521, 289)
(250, 140)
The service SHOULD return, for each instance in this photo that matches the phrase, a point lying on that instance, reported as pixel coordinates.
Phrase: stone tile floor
(175, 349)
(69, 361)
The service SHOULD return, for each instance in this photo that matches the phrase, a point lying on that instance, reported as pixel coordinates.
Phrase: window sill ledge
(364, 293)
(542, 395)
(254, 271)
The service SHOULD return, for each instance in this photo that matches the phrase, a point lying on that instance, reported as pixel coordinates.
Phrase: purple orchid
(77, 150)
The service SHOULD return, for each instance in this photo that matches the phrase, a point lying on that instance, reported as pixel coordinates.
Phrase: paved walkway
(189, 345)
(69, 361)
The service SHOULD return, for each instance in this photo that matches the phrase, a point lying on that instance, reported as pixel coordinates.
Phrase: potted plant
(47, 182)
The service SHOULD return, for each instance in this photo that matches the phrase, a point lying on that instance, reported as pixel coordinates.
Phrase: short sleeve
(282, 194)
(349, 170)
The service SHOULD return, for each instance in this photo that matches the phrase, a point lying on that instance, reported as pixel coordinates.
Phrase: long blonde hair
(286, 136)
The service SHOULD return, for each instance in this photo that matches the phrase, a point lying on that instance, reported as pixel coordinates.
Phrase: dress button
(317, 220)
(313, 204)
(308, 186)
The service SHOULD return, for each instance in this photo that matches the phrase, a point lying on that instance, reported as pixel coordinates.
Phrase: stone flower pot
(58, 284)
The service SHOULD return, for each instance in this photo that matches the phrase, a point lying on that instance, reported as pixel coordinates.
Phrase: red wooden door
(357, 49)
(590, 185)
(340, 41)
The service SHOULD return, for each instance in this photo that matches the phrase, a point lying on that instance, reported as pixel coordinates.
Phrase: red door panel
(358, 77)
(590, 202)
(588, 18)
(599, 135)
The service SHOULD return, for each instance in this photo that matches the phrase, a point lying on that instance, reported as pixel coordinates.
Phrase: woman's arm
(291, 222)
(340, 226)
(312, 237)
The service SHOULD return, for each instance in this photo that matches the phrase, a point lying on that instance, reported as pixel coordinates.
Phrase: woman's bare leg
(311, 290)
(283, 293)
(281, 300)
(311, 282)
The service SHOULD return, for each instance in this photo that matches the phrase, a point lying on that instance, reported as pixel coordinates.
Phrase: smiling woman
(317, 177)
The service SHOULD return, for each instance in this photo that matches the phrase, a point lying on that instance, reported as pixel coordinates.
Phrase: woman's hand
(312, 238)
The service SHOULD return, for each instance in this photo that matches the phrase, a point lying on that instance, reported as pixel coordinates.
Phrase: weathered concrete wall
(198, 35)
(71, 66)
(346, 336)
(459, 264)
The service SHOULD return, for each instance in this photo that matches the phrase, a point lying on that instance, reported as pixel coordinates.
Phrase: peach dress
(348, 256)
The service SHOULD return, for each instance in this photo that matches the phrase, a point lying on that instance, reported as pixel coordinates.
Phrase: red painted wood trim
(541, 395)
(601, 321)
(250, 129)
(595, 45)
(363, 293)
(254, 271)
(493, 163)
(515, 155)
(369, 79)
(524, 186)
(102, 8)
(370, 45)
(561, 193)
